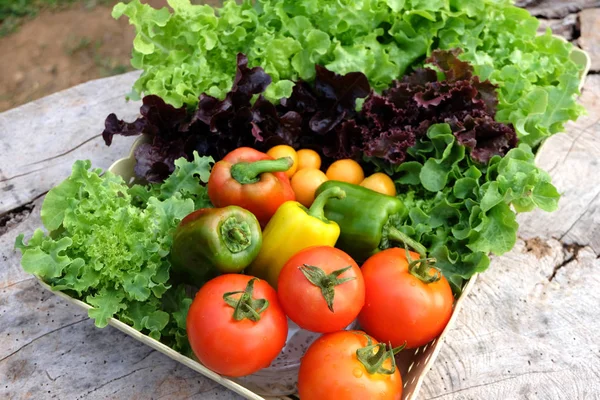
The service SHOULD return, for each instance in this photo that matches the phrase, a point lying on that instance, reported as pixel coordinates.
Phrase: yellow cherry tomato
(346, 171)
(308, 159)
(305, 183)
(285, 151)
(381, 183)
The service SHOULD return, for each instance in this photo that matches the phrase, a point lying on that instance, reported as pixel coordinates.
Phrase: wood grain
(565, 27)
(40, 140)
(556, 8)
(589, 23)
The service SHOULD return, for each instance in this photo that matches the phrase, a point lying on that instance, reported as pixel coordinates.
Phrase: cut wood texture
(556, 8)
(565, 27)
(40, 140)
(589, 21)
(528, 330)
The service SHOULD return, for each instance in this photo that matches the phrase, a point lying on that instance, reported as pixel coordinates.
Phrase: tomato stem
(396, 235)
(422, 267)
(373, 356)
(326, 283)
(245, 306)
(249, 172)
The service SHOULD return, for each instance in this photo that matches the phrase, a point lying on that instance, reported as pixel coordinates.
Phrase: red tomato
(321, 289)
(332, 369)
(236, 347)
(399, 306)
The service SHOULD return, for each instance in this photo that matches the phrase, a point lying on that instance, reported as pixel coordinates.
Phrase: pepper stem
(249, 172)
(317, 208)
(245, 306)
(326, 283)
(421, 269)
(372, 357)
(396, 235)
(235, 234)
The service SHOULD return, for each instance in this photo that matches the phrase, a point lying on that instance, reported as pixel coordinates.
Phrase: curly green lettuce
(108, 245)
(192, 50)
(463, 211)
(537, 76)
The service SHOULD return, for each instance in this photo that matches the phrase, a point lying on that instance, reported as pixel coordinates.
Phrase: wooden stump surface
(529, 329)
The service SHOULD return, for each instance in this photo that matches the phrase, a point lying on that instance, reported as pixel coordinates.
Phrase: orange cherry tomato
(346, 171)
(308, 159)
(285, 151)
(381, 183)
(305, 183)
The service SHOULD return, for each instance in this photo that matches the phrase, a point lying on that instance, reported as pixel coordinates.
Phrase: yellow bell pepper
(291, 229)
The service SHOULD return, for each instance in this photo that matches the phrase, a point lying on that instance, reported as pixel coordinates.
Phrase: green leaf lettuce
(192, 50)
(461, 211)
(109, 244)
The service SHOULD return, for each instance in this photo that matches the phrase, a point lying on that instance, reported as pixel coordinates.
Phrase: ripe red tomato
(236, 341)
(336, 366)
(321, 289)
(399, 306)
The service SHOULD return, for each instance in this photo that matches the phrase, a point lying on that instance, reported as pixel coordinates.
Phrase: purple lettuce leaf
(484, 137)
(214, 129)
(405, 111)
(453, 68)
(322, 116)
(336, 97)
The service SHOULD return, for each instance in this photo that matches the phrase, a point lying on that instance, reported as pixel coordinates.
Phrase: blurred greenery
(13, 12)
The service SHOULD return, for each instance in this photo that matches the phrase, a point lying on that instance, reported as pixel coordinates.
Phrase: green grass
(105, 65)
(13, 12)
(108, 67)
(73, 45)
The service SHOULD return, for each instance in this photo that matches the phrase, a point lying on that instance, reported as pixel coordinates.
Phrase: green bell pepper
(366, 219)
(211, 241)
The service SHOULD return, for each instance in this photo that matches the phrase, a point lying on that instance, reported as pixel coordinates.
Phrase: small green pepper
(211, 241)
(366, 219)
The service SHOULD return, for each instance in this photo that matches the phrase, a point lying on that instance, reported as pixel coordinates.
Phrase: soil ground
(61, 48)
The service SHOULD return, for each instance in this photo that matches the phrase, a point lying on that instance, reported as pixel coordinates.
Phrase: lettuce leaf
(108, 244)
(391, 122)
(536, 77)
(461, 210)
(308, 118)
(192, 50)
